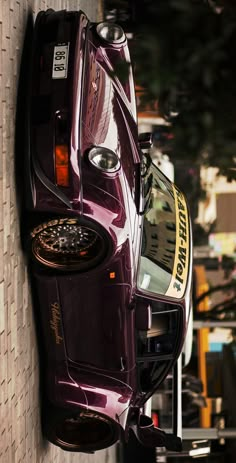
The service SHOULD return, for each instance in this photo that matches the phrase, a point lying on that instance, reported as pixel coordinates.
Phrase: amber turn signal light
(62, 165)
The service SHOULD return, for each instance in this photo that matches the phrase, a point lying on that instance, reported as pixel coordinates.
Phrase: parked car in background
(108, 238)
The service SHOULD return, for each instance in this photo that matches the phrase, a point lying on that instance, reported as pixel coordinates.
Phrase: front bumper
(50, 98)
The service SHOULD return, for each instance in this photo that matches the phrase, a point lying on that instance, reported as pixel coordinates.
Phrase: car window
(149, 373)
(156, 348)
(163, 264)
(160, 340)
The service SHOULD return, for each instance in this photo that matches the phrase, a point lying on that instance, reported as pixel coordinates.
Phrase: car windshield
(163, 265)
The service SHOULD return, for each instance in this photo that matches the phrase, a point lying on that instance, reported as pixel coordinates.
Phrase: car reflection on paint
(108, 239)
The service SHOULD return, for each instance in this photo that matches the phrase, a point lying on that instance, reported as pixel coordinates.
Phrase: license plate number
(60, 61)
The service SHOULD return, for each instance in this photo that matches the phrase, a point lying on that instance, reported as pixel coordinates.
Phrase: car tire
(68, 244)
(78, 430)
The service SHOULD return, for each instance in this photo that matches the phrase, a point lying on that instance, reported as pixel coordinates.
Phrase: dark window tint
(156, 347)
(150, 372)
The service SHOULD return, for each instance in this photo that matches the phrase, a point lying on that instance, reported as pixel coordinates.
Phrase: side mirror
(143, 316)
(149, 436)
(145, 140)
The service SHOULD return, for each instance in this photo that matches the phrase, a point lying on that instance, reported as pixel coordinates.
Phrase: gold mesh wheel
(65, 243)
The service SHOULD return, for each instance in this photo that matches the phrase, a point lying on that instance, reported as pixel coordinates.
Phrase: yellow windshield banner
(181, 262)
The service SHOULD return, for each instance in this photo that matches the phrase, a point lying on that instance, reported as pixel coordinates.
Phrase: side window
(161, 338)
(156, 347)
(150, 373)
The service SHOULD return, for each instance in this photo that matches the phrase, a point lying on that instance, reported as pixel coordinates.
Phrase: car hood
(107, 115)
(100, 111)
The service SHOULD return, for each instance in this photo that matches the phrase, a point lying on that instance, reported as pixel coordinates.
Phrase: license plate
(60, 61)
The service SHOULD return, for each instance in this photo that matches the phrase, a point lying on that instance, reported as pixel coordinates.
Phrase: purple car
(109, 240)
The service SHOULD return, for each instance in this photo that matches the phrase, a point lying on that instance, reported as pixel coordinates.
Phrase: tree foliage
(189, 54)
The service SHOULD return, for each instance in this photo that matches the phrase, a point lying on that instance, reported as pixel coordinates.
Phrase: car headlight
(104, 159)
(111, 32)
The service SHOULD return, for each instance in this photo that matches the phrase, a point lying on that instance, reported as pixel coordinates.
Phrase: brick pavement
(20, 432)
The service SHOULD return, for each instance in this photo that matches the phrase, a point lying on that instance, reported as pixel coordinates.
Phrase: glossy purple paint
(88, 319)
